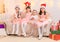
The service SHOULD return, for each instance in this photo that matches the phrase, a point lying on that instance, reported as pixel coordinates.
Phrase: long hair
(40, 13)
(28, 7)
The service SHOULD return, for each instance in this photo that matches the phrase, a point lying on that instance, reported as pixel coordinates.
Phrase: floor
(26, 39)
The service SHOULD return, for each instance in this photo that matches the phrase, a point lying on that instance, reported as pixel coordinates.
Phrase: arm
(40, 19)
(48, 16)
(12, 18)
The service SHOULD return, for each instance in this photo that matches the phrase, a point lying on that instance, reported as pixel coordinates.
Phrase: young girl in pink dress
(25, 20)
(16, 21)
(45, 20)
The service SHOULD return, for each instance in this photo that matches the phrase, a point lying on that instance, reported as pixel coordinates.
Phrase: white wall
(53, 7)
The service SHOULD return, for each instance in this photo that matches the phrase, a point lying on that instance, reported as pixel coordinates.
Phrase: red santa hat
(43, 5)
(27, 3)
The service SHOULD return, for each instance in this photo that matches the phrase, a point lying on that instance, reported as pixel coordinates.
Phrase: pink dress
(24, 24)
(40, 23)
(45, 20)
(15, 19)
(27, 18)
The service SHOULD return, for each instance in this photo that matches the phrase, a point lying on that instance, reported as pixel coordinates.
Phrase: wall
(53, 7)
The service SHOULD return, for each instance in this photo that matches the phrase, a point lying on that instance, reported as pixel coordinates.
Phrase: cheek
(16, 9)
(42, 9)
(28, 9)
(35, 13)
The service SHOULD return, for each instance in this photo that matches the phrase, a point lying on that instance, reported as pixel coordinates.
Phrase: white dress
(36, 28)
(36, 20)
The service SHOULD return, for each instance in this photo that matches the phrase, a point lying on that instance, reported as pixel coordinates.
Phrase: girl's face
(34, 12)
(28, 10)
(42, 9)
(17, 9)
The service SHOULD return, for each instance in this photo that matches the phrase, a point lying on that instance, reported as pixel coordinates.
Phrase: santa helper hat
(43, 5)
(27, 3)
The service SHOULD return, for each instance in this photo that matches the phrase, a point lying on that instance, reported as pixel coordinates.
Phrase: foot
(24, 35)
(40, 38)
(8, 34)
(15, 35)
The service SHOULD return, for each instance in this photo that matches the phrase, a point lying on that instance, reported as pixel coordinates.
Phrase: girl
(25, 20)
(34, 16)
(33, 22)
(45, 20)
(16, 20)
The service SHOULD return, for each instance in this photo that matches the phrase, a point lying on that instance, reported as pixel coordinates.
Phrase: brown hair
(17, 7)
(28, 7)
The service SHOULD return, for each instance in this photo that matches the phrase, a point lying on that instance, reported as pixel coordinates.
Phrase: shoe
(15, 35)
(9, 34)
(24, 35)
(40, 38)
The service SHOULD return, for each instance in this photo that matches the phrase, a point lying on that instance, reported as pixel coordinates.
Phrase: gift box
(54, 27)
(55, 32)
(54, 36)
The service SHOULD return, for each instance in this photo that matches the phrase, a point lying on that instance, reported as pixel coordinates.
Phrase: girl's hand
(32, 18)
(40, 20)
(29, 22)
(11, 21)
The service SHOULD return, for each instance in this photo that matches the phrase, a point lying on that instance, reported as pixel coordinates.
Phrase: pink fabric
(27, 18)
(15, 20)
(42, 16)
(39, 23)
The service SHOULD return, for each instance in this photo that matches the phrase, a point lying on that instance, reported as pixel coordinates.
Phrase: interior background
(53, 7)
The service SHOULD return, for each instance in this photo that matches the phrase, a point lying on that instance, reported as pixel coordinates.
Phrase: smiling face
(17, 9)
(34, 12)
(28, 10)
(42, 9)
